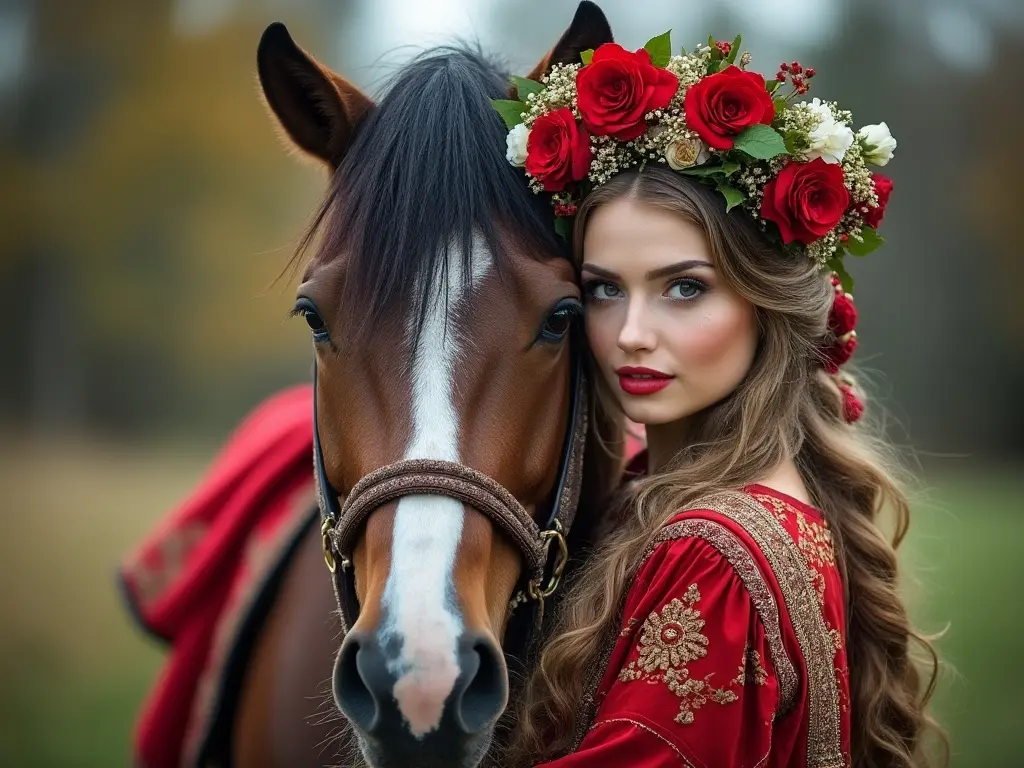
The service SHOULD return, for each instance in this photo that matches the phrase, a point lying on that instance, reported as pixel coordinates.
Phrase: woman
(745, 610)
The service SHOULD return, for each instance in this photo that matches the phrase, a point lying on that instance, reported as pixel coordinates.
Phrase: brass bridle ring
(538, 592)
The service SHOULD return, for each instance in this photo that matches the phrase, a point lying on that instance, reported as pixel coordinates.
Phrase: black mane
(426, 170)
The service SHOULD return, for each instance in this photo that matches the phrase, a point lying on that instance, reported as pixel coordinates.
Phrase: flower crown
(797, 167)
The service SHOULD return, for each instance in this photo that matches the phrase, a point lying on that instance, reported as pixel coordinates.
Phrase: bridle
(542, 571)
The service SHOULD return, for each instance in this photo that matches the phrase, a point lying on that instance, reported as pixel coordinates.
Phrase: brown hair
(786, 407)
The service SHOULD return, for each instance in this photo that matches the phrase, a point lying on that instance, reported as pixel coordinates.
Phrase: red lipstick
(642, 381)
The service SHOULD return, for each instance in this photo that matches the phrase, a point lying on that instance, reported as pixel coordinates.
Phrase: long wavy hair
(785, 408)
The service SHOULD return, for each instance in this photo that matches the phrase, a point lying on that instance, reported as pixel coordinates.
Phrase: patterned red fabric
(189, 581)
(710, 667)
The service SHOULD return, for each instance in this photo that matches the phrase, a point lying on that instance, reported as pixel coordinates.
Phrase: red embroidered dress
(732, 649)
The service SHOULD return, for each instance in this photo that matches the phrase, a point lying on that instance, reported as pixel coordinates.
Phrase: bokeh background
(147, 207)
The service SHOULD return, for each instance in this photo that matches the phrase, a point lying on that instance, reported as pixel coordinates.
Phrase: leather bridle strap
(442, 478)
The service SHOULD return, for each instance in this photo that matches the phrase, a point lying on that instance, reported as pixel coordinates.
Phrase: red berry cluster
(797, 75)
(724, 47)
(841, 323)
(565, 209)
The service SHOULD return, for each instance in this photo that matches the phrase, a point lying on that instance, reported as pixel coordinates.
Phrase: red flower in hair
(883, 188)
(839, 353)
(720, 106)
(843, 317)
(617, 89)
(853, 406)
(558, 150)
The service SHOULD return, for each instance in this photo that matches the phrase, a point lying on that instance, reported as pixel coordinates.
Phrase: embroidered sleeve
(694, 680)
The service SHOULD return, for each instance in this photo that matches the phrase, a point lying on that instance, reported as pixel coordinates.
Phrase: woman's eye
(686, 290)
(604, 291)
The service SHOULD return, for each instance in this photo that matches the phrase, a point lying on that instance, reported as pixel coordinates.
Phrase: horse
(450, 418)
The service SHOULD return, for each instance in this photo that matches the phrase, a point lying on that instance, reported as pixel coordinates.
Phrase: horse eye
(313, 320)
(560, 321)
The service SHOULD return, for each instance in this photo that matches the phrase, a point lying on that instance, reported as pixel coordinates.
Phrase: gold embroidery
(669, 639)
(815, 541)
(751, 670)
(779, 507)
(813, 538)
(722, 539)
(817, 643)
(628, 629)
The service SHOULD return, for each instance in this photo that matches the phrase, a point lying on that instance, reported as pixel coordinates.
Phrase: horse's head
(441, 307)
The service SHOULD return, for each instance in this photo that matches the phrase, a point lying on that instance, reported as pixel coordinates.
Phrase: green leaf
(726, 168)
(792, 141)
(870, 240)
(586, 56)
(771, 85)
(733, 196)
(836, 265)
(511, 111)
(525, 87)
(780, 105)
(660, 48)
(563, 226)
(761, 142)
(734, 52)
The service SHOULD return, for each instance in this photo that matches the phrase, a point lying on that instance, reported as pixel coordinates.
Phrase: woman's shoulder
(764, 519)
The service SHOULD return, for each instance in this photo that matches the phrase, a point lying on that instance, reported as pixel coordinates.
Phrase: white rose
(830, 139)
(878, 143)
(685, 153)
(516, 145)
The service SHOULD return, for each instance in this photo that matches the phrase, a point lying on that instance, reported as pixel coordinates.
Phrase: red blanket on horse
(194, 580)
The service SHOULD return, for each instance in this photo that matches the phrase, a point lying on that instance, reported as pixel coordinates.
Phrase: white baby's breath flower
(878, 143)
(515, 144)
(830, 139)
(685, 153)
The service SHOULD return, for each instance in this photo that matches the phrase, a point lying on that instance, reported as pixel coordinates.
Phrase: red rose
(721, 105)
(806, 200)
(617, 88)
(558, 150)
(883, 188)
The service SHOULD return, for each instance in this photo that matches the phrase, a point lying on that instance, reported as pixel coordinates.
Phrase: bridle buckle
(535, 589)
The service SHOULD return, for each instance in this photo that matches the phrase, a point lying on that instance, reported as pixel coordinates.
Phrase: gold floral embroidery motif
(669, 640)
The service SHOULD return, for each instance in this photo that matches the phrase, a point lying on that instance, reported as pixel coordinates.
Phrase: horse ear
(589, 29)
(318, 109)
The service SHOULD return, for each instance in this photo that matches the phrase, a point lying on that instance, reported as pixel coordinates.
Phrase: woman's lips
(642, 381)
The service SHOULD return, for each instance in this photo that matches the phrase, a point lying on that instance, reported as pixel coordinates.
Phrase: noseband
(542, 570)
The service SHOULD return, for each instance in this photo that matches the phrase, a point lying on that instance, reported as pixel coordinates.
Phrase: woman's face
(669, 335)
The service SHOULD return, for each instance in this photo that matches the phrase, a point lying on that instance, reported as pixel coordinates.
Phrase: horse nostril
(354, 683)
(482, 692)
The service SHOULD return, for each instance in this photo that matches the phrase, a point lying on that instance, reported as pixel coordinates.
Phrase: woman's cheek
(711, 336)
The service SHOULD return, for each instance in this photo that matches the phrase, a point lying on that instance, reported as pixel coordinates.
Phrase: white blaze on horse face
(419, 596)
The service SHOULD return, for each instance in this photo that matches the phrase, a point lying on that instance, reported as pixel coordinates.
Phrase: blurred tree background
(147, 207)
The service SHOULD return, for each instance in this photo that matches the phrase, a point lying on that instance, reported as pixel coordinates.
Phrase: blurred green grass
(74, 670)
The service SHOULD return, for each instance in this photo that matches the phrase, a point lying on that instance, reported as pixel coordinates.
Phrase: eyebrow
(654, 274)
